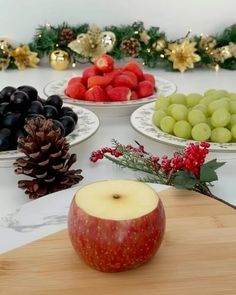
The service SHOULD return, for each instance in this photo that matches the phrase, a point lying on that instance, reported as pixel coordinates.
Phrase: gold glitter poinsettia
(144, 37)
(182, 54)
(94, 43)
(5, 49)
(232, 48)
(24, 57)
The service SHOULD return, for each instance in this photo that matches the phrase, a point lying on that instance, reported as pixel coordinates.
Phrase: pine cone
(131, 47)
(66, 36)
(47, 159)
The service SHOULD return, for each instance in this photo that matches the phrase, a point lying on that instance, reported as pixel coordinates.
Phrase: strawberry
(76, 90)
(102, 81)
(89, 72)
(134, 67)
(123, 80)
(149, 77)
(75, 80)
(104, 63)
(96, 93)
(132, 76)
(145, 88)
(113, 73)
(119, 94)
(134, 95)
(109, 87)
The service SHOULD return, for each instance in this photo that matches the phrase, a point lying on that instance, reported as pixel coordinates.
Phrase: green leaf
(184, 179)
(207, 174)
(213, 164)
(207, 171)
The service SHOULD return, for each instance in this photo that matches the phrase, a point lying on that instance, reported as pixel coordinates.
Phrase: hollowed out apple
(116, 225)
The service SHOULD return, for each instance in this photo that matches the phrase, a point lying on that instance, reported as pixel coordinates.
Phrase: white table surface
(13, 199)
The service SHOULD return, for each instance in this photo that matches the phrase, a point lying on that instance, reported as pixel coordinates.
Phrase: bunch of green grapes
(208, 117)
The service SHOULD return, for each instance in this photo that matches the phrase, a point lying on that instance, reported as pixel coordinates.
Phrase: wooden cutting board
(198, 256)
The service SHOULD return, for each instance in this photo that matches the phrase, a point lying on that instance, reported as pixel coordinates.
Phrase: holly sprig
(186, 168)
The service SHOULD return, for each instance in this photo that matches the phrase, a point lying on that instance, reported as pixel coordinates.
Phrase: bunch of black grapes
(17, 105)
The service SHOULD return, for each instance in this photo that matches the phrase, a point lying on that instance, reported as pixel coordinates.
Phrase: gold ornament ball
(59, 60)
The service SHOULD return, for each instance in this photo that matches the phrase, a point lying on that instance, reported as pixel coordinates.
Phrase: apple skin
(116, 245)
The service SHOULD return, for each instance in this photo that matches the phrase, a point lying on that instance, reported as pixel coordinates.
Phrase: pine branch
(152, 179)
(131, 164)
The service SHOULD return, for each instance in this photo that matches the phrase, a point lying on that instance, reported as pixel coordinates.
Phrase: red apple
(116, 225)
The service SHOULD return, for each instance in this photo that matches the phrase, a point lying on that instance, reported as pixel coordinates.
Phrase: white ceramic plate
(86, 126)
(110, 109)
(39, 218)
(141, 120)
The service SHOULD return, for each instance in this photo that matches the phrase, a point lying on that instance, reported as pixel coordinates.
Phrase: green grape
(224, 98)
(193, 99)
(201, 132)
(232, 95)
(208, 121)
(217, 104)
(221, 135)
(196, 116)
(177, 98)
(232, 106)
(206, 100)
(170, 108)
(179, 112)
(217, 94)
(187, 116)
(220, 118)
(167, 124)
(213, 96)
(162, 102)
(201, 107)
(157, 116)
(182, 129)
(222, 92)
(209, 92)
(232, 120)
(233, 131)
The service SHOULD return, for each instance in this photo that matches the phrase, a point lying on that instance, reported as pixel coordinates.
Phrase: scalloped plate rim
(13, 154)
(158, 135)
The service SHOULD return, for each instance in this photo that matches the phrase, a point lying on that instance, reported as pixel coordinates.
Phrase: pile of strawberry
(103, 82)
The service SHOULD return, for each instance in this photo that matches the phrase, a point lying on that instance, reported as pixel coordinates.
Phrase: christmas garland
(83, 43)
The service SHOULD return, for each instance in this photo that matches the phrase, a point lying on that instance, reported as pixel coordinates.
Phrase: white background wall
(18, 19)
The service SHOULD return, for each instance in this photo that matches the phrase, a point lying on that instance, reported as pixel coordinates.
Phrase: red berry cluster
(99, 154)
(116, 152)
(155, 163)
(137, 151)
(173, 164)
(195, 155)
(192, 158)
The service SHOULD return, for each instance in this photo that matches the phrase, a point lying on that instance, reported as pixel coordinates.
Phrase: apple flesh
(116, 225)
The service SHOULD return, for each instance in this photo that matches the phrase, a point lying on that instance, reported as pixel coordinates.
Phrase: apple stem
(116, 196)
